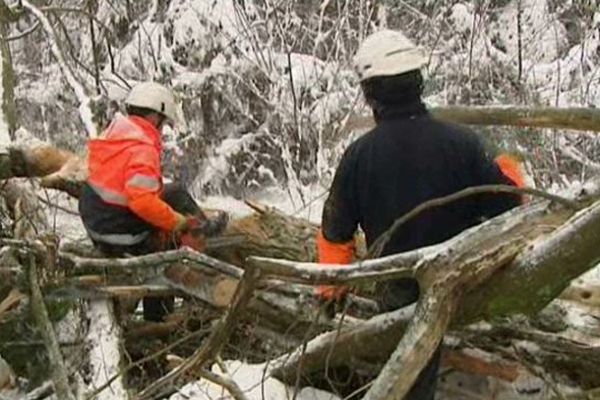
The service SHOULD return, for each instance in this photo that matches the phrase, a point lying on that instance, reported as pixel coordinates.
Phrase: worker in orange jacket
(407, 159)
(124, 205)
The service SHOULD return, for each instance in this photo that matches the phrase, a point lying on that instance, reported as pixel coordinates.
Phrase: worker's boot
(157, 308)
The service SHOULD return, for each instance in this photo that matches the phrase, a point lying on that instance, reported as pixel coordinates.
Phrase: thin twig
(113, 68)
(59, 370)
(80, 92)
(219, 336)
(144, 360)
(41, 392)
(94, 51)
(21, 35)
(61, 208)
(359, 390)
(536, 372)
(383, 240)
(77, 11)
(232, 387)
(304, 345)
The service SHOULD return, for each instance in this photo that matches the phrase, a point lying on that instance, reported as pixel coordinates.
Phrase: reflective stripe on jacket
(124, 170)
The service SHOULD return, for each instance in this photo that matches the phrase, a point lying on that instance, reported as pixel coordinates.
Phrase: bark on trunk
(581, 119)
(532, 254)
(478, 301)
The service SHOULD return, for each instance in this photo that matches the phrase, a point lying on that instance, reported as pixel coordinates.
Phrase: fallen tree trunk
(473, 256)
(479, 251)
(281, 306)
(584, 294)
(59, 169)
(520, 247)
(492, 244)
(573, 118)
(561, 356)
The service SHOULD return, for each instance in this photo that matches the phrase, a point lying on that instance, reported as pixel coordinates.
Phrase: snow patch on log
(254, 381)
(104, 356)
(85, 111)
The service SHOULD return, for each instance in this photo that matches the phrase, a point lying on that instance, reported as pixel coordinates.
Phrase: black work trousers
(156, 308)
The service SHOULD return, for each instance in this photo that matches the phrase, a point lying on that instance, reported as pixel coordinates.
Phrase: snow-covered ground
(254, 382)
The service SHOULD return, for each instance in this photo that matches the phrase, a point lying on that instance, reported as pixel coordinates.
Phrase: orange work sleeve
(334, 253)
(511, 168)
(153, 210)
(143, 185)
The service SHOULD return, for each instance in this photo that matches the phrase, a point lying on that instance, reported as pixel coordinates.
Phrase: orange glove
(333, 253)
(332, 293)
(190, 236)
(511, 168)
(192, 241)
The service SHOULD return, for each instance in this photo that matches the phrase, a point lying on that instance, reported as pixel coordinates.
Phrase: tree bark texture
(573, 118)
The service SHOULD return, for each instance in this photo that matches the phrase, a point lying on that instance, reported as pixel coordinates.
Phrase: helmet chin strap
(160, 121)
(156, 119)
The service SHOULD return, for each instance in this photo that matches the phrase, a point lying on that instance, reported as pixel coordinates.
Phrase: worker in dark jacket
(407, 159)
(124, 205)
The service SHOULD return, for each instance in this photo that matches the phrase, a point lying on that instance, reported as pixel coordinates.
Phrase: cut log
(483, 365)
(270, 233)
(588, 295)
(213, 288)
(59, 169)
(281, 306)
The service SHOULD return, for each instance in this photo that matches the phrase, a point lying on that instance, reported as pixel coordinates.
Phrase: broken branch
(575, 118)
(59, 370)
(219, 336)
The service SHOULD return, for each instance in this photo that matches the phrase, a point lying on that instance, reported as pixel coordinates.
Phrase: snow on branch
(574, 154)
(85, 111)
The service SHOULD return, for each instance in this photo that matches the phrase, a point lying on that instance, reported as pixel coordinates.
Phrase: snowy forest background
(267, 91)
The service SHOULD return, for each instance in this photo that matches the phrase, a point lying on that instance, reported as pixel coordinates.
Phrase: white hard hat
(155, 97)
(387, 53)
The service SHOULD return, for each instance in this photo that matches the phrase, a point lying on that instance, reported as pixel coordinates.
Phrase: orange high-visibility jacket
(124, 170)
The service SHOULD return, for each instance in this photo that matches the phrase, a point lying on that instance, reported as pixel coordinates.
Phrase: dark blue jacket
(407, 159)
